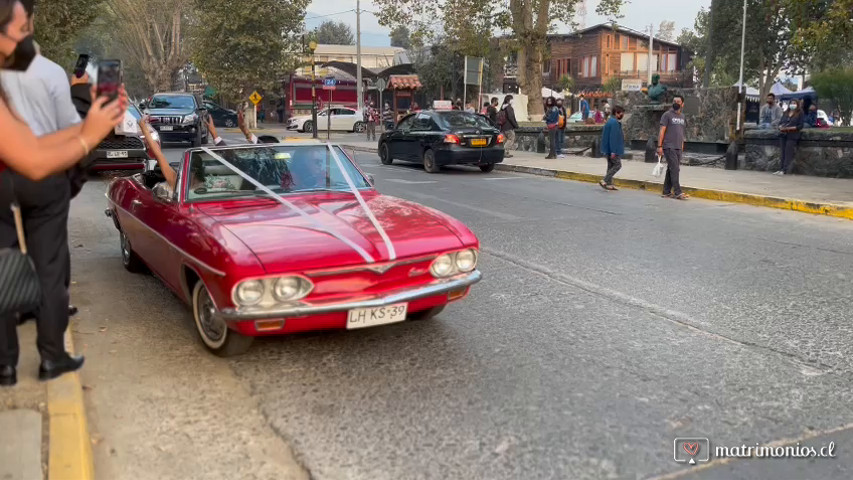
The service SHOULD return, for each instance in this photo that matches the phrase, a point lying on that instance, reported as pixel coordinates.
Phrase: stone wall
(820, 152)
(710, 113)
(532, 137)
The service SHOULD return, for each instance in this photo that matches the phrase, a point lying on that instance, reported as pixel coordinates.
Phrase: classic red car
(282, 238)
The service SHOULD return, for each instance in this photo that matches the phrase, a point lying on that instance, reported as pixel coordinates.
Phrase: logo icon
(691, 450)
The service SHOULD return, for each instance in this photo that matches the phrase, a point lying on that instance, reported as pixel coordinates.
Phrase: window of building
(643, 62)
(593, 69)
(632, 43)
(627, 63)
(624, 42)
(607, 42)
(585, 62)
(671, 62)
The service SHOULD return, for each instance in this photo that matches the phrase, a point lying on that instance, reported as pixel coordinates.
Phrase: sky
(638, 14)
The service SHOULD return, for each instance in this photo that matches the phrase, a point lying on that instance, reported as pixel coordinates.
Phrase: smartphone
(80, 66)
(110, 78)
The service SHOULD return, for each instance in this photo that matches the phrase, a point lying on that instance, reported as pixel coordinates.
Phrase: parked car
(307, 244)
(222, 117)
(342, 119)
(123, 152)
(438, 138)
(179, 117)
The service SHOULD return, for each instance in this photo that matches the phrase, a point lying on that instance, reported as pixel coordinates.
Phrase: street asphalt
(607, 325)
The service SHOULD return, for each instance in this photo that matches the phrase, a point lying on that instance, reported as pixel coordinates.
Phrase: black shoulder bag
(20, 290)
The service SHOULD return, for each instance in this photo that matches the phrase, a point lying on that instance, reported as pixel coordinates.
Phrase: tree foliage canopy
(57, 24)
(239, 50)
(401, 37)
(334, 33)
(836, 86)
(470, 25)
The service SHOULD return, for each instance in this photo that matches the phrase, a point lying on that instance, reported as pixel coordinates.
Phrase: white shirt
(41, 96)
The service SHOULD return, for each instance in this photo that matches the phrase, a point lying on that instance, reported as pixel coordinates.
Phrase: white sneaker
(561, 156)
(778, 172)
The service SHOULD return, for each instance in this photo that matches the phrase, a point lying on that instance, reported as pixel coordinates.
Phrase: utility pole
(313, 46)
(740, 82)
(359, 90)
(651, 49)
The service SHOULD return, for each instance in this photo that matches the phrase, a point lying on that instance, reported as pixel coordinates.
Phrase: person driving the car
(309, 168)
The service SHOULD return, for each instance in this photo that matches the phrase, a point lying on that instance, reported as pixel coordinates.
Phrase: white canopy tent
(779, 89)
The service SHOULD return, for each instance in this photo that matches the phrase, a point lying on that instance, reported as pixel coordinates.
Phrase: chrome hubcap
(213, 328)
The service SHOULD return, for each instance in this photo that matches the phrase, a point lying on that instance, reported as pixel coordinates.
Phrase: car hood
(170, 111)
(300, 118)
(285, 241)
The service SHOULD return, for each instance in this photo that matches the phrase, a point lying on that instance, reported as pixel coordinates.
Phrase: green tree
(334, 33)
(57, 23)
(401, 37)
(244, 49)
(566, 83)
(836, 86)
(612, 85)
(470, 23)
(826, 31)
(666, 30)
(439, 69)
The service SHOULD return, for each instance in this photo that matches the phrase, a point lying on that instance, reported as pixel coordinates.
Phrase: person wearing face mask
(32, 176)
(770, 113)
(41, 96)
(671, 146)
(613, 146)
(508, 124)
(790, 126)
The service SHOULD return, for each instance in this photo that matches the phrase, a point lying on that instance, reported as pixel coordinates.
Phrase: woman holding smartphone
(28, 177)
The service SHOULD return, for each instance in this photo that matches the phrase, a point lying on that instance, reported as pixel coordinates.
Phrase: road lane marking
(409, 182)
(505, 216)
(502, 178)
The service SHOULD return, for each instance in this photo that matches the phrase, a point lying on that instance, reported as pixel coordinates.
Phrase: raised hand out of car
(217, 140)
(168, 172)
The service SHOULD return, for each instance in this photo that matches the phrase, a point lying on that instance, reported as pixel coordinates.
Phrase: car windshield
(458, 119)
(172, 101)
(284, 169)
(135, 112)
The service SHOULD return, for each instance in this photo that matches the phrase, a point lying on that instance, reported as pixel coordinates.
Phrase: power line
(330, 14)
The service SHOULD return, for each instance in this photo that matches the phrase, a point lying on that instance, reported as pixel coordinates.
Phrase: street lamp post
(740, 82)
(313, 46)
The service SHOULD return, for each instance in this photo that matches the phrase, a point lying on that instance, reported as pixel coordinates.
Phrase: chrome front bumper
(302, 310)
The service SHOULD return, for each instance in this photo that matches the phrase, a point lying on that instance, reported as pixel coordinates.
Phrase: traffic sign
(255, 97)
(329, 83)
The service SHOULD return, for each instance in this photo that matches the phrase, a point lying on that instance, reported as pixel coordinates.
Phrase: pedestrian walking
(613, 146)
(492, 110)
(790, 127)
(583, 106)
(552, 119)
(508, 124)
(671, 146)
(371, 119)
(279, 108)
(561, 129)
(27, 164)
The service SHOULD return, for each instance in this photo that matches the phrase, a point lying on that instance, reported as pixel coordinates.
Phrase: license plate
(479, 142)
(370, 317)
(116, 153)
(166, 128)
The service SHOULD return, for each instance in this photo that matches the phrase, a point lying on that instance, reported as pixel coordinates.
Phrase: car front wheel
(429, 162)
(385, 154)
(230, 123)
(359, 127)
(308, 127)
(214, 332)
(487, 167)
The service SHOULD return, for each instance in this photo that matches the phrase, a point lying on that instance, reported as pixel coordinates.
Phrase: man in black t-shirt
(671, 146)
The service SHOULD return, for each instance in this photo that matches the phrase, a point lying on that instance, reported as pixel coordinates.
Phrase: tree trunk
(530, 77)
(709, 55)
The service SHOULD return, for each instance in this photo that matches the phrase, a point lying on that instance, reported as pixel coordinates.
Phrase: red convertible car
(281, 238)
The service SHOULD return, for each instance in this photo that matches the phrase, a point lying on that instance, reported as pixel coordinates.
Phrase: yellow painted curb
(70, 450)
(817, 208)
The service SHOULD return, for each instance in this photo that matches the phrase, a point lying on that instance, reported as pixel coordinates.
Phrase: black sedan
(222, 117)
(438, 138)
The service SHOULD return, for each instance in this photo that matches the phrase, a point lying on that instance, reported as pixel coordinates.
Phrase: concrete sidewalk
(818, 195)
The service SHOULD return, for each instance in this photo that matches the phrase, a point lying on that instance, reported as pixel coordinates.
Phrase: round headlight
(250, 292)
(466, 260)
(286, 288)
(442, 266)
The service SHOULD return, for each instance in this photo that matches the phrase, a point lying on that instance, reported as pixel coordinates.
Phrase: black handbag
(20, 290)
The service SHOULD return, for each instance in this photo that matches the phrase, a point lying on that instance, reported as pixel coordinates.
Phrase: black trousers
(44, 208)
(788, 144)
(552, 140)
(672, 182)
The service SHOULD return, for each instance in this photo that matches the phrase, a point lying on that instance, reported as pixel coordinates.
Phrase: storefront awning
(404, 82)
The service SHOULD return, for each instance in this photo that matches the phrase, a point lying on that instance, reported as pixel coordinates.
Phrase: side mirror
(371, 179)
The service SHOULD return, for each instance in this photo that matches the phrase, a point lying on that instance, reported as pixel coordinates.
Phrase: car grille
(172, 120)
(121, 143)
